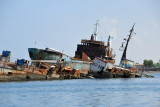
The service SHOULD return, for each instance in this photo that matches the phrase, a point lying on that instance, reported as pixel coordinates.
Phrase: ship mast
(95, 30)
(125, 50)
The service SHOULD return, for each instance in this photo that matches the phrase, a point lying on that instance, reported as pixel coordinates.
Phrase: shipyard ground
(38, 77)
(27, 77)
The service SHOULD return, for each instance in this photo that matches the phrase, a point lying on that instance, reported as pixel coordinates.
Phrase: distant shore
(152, 72)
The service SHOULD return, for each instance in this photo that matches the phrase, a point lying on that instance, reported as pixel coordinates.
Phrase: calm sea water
(138, 92)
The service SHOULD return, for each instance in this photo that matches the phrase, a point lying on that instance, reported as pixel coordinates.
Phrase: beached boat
(102, 68)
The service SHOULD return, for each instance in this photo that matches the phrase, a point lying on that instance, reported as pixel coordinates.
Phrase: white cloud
(107, 26)
(145, 33)
(114, 21)
(155, 24)
(147, 37)
(149, 29)
(156, 27)
(113, 32)
(138, 40)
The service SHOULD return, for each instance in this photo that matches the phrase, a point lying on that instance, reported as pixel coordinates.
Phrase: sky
(61, 24)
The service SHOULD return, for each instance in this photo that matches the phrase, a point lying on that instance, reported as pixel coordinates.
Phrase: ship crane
(127, 40)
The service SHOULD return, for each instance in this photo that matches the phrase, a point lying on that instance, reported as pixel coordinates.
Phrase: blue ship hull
(46, 54)
(43, 54)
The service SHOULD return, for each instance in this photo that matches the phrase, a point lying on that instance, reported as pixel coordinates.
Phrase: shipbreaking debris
(93, 59)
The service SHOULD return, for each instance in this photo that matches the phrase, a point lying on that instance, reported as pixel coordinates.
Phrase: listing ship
(100, 68)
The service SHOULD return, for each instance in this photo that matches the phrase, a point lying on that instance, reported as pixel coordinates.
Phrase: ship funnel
(109, 42)
(92, 37)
